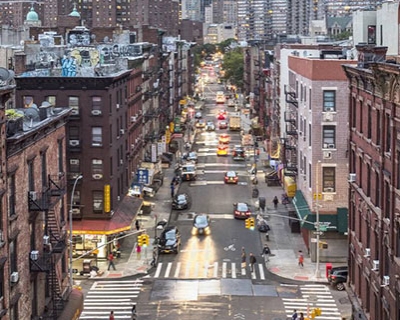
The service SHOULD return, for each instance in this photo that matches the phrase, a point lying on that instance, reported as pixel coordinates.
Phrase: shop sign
(142, 176)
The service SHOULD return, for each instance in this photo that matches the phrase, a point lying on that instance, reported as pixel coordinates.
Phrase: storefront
(98, 235)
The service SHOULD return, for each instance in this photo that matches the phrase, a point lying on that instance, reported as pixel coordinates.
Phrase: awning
(120, 221)
(332, 222)
(74, 306)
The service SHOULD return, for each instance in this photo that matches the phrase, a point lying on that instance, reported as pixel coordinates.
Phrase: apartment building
(374, 183)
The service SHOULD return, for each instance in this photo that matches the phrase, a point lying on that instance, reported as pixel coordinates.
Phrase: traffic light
(252, 223)
(247, 223)
(140, 240)
(312, 314)
(323, 245)
(146, 240)
(317, 311)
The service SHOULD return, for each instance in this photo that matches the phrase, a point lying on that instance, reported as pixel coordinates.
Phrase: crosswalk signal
(247, 223)
(252, 223)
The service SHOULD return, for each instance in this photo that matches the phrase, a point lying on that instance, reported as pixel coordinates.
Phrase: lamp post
(71, 282)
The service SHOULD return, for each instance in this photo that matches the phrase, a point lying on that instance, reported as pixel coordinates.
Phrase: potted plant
(14, 121)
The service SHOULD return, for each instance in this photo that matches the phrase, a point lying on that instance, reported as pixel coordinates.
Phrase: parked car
(201, 224)
(188, 172)
(191, 156)
(169, 240)
(181, 201)
(338, 277)
(198, 115)
(231, 177)
(241, 210)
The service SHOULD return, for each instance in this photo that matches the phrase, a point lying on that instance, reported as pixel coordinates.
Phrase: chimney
(19, 63)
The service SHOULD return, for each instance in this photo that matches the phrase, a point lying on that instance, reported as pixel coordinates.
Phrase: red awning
(120, 221)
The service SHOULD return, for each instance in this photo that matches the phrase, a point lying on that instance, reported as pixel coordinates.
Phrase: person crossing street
(252, 261)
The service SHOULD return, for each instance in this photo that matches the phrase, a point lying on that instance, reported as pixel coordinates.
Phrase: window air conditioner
(33, 195)
(367, 252)
(132, 146)
(352, 177)
(96, 112)
(375, 265)
(385, 281)
(74, 143)
(331, 146)
(75, 111)
(34, 255)
(328, 117)
(329, 190)
(97, 176)
(14, 277)
(327, 155)
(122, 131)
(46, 239)
(117, 105)
(133, 119)
(76, 211)
(325, 146)
(329, 109)
(74, 161)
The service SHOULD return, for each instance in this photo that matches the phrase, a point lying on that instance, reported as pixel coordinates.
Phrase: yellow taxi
(224, 138)
(222, 150)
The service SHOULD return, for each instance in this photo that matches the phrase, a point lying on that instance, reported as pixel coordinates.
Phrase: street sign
(143, 176)
(318, 233)
(323, 228)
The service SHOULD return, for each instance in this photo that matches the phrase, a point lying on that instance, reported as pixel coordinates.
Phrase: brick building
(34, 256)
(374, 196)
(314, 147)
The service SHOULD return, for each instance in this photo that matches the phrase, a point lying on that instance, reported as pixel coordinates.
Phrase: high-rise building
(251, 20)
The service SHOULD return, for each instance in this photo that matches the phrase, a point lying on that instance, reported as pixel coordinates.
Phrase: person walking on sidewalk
(111, 261)
(243, 257)
(301, 259)
(252, 261)
(275, 201)
(111, 316)
(266, 252)
(138, 251)
(172, 190)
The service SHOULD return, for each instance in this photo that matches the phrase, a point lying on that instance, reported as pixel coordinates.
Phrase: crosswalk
(106, 296)
(215, 270)
(313, 296)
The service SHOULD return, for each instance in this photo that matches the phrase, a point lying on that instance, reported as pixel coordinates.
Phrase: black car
(181, 201)
(338, 277)
(169, 240)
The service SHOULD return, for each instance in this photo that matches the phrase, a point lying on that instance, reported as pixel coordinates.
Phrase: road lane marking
(178, 268)
(224, 270)
(205, 275)
(187, 270)
(159, 267)
(261, 269)
(169, 266)
(233, 270)
(215, 269)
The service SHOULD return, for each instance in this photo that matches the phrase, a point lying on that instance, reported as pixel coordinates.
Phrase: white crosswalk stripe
(207, 270)
(314, 296)
(105, 296)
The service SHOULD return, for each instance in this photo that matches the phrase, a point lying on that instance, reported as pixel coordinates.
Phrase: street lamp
(71, 282)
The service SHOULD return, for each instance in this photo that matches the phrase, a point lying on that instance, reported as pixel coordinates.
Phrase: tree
(233, 67)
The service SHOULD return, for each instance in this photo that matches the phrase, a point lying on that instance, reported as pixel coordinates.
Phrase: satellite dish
(31, 114)
(4, 74)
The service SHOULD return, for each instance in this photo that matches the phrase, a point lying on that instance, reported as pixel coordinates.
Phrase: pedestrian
(266, 252)
(137, 225)
(138, 251)
(243, 257)
(134, 312)
(301, 317)
(111, 316)
(294, 315)
(111, 261)
(275, 201)
(252, 261)
(301, 259)
(172, 190)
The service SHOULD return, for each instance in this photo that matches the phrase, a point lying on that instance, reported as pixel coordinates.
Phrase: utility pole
(317, 173)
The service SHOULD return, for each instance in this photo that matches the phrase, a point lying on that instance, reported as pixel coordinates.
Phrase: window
(52, 100)
(13, 256)
(371, 34)
(97, 137)
(97, 201)
(388, 204)
(73, 103)
(43, 160)
(74, 133)
(309, 134)
(76, 198)
(360, 117)
(368, 179)
(328, 136)
(369, 122)
(31, 176)
(329, 100)
(97, 168)
(328, 179)
(96, 103)
(378, 127)
(377, 190)
(388, 141)
(309, 99)
(74, 166)
(11, 195)
(309, 175)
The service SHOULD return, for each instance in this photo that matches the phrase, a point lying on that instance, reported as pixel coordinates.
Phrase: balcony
(290, 117)
(37, 201)
(57, 185)
(40, 262)
(291, 130)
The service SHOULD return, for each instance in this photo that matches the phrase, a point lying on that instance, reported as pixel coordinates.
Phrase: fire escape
(47, 258)
(290, 142)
